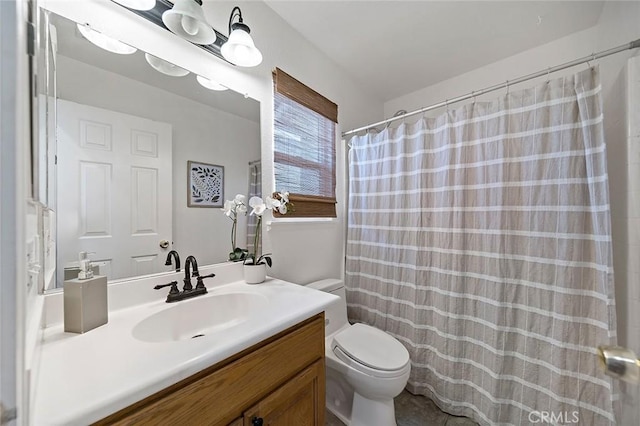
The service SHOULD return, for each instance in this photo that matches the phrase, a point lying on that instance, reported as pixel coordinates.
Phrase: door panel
(111, 169)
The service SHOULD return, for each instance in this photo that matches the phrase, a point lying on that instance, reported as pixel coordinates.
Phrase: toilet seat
(371, 351)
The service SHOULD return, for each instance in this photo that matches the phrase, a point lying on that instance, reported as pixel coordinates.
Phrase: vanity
(277, 381)
(263, 363)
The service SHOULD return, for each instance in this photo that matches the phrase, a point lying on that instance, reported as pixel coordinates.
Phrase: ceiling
(396, 47)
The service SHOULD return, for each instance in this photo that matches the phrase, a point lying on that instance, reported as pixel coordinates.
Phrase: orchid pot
(255, 264)
(255, 274)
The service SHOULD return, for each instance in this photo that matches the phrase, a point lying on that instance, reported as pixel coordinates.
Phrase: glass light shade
(187, 20)
(165, 67)
(210, 84)
(240, 49)
(104, 41)
(137, 4)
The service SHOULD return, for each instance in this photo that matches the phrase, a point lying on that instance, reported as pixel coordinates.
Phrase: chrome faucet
(188, 291)
(176, 258)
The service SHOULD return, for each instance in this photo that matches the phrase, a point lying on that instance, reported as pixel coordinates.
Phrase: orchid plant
(259, 207)
(232, 208)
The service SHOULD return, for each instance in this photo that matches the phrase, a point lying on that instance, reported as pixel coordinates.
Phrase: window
(304, 147)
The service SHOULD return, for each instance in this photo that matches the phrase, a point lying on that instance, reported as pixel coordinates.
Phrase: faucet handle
(200, 278)
(173, 284)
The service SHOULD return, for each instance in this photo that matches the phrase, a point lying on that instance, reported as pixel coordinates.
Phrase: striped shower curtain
(255, 190)
(481, 239)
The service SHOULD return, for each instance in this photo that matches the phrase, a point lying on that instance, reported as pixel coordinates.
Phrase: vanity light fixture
(104, 41)
(165, 67)
(239, 48)
(186, 19)
(137, 4)
(210, 84)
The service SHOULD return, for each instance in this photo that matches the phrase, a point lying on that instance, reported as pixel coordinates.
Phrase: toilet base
(339, 396)
(368, 412)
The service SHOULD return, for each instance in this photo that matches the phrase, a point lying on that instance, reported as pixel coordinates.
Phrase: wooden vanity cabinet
(295, 403)
(278, 382)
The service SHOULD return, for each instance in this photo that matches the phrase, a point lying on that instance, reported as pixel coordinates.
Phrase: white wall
(17, 299)
(302, 252)
(199, 133)
(632, 393)
(619, 23)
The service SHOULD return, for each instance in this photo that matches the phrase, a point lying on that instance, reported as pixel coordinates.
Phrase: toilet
(365, 367)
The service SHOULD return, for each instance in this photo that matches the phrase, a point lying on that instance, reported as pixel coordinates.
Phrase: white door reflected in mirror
(111, 169)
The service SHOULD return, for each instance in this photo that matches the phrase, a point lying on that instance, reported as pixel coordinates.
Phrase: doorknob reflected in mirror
(164, 244)
(620, 363)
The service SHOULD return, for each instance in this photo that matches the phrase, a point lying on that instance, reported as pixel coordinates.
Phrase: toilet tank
(335, 316)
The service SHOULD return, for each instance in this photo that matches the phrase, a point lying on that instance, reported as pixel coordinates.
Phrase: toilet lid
(372, 347)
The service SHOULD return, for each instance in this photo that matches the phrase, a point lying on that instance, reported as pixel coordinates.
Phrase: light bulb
(186, 19)
(104, 41)
(165, 67)
(240, 49)
(189, 25)
(210, 84)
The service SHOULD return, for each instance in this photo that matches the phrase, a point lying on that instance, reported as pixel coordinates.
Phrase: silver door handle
(620, 363)
(164, 244)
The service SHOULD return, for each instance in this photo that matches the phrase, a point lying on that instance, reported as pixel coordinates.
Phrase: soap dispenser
(85, 299)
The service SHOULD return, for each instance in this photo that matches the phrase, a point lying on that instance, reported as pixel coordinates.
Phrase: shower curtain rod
(631, 45)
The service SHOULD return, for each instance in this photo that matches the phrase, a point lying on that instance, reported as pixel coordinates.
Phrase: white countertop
(83, 378)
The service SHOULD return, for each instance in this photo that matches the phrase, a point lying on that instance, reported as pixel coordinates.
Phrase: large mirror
(140, 161)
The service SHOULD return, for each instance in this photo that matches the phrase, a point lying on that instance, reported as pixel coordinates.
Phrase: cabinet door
(299, 402)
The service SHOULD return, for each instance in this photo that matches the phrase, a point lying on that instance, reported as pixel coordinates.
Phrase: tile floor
(415, 410)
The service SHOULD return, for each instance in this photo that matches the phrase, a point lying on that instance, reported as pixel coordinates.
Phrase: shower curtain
(481, 239)
(255, 190)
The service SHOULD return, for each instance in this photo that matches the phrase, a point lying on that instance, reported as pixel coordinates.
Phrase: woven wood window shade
(304, 147)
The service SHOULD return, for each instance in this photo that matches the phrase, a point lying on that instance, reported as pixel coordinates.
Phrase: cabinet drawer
(218, 395)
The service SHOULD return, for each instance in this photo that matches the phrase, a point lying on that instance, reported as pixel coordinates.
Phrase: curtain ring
(446, 105)
(507, 83)
(473, 95)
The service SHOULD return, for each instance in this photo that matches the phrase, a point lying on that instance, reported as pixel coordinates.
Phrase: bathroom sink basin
(199, 317)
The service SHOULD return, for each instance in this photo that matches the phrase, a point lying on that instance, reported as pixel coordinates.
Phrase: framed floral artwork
(205, 185)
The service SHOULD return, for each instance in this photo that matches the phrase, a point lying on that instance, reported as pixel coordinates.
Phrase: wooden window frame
(307, 205)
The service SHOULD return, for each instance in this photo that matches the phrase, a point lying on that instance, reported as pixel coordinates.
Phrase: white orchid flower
(283, 208)
(239, 199)
(242, 209)
(257, 205)
(229, 207)
(272, 203)
(284, 196)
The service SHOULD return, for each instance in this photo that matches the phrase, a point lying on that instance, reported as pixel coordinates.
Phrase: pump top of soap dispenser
(86, 271)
